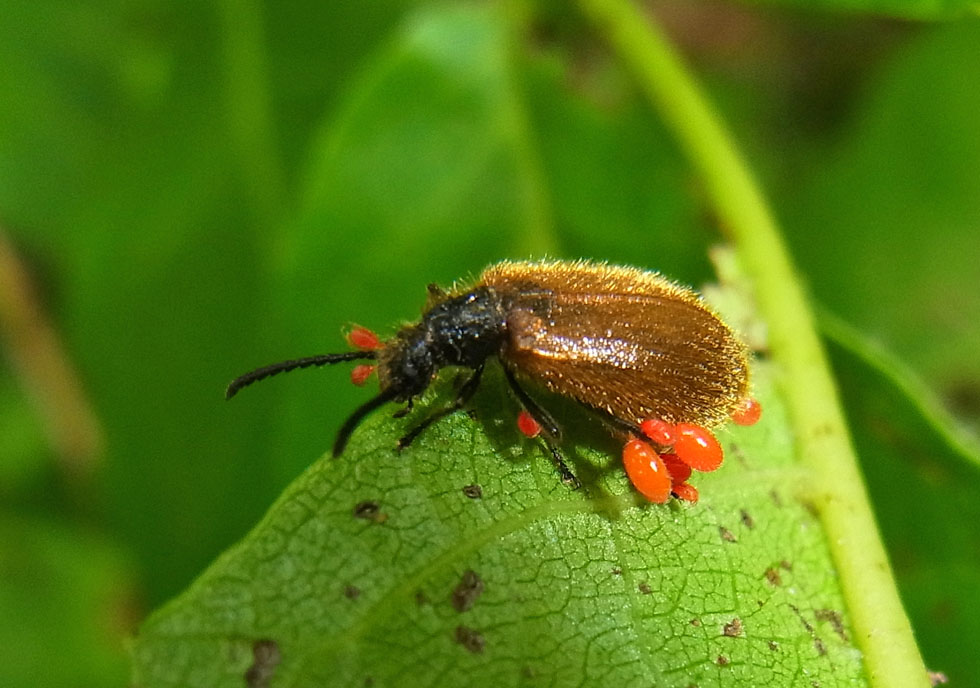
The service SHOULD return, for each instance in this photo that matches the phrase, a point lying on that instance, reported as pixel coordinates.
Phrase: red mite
(645, 354)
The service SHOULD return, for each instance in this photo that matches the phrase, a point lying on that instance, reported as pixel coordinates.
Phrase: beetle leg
(402, 412)
(532, 407)
(615, 425)
(564, 471)
(552, 433)
(465, 394)
(355, 419)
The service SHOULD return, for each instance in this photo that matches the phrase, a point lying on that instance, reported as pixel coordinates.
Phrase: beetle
(647, 355)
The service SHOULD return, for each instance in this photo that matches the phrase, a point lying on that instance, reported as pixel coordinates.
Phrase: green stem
(249, 110)
(537, 235)
(881, 628)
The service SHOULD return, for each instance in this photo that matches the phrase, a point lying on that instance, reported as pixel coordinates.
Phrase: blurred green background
(189, 190)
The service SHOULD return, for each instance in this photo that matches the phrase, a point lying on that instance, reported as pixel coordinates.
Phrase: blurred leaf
(929, 409)
(106, 119)
(26, 454)
(911, 9)
(887, 227)
(413, 179)
(66, 603)
(607, 191)
(584, 586)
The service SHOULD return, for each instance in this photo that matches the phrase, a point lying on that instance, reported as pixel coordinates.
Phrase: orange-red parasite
(648, 356)
(686, 491)
(697, 447)
(679, 471)
(646, 470)
(359, 374)
(363, 338)
(527, 425)
(658, 431)
(747, 412)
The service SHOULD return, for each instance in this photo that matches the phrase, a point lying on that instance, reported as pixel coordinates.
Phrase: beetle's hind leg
(465, 394)
(552, 433)
(564, 471)
(617, 426)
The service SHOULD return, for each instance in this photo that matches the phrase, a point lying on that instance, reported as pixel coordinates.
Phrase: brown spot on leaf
(465, 594)
(811, 507)
(265, 659)
(366, 509)
(421, 599)
(473, 491)
(773, 645)
(806, 624)
(471, 639)
(834, 619)
(817, 642)
(616, 571)
(645, 588)
(352, 592)
(696, 623)
(733, 628)
(747, 520)
(726, 534)
(772, 575)
(370, 510)
(723, 660)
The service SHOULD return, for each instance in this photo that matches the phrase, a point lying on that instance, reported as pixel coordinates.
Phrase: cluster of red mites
(660, 465)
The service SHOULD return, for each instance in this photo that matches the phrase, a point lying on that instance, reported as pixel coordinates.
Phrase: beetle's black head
(406, 364)
(462, 330)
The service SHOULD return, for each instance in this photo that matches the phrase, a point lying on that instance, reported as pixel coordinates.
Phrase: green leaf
(588, 586)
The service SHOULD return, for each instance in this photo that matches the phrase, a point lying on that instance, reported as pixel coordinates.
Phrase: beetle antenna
(355, 418)
(268, 371)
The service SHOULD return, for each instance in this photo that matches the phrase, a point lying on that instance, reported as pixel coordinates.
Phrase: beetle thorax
(464, 330)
